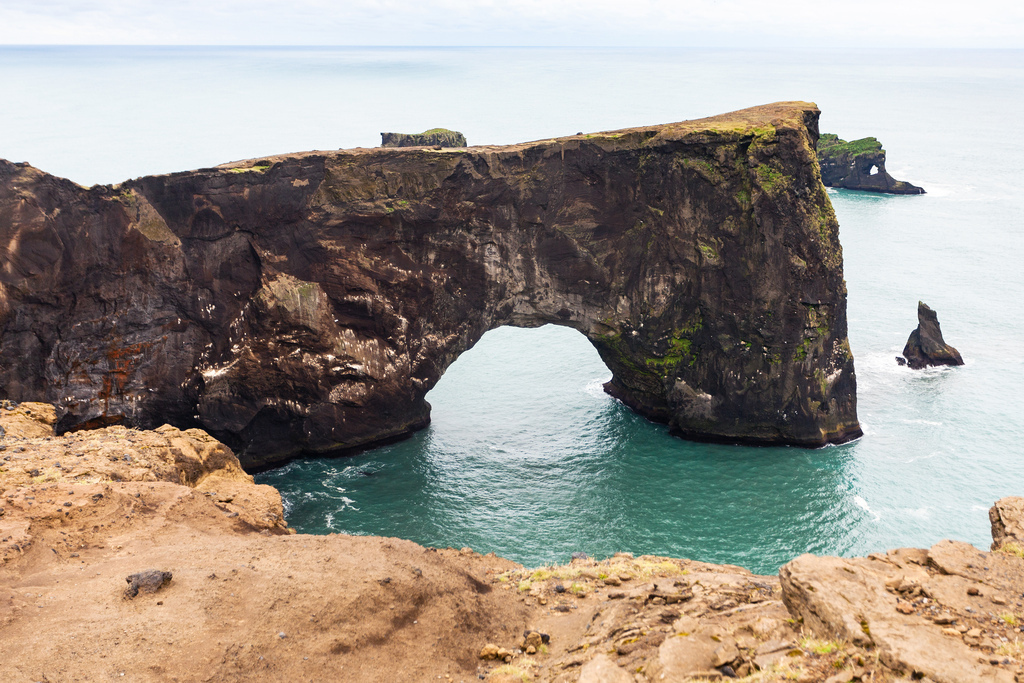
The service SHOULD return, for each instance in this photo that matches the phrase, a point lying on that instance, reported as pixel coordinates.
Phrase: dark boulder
(149, 581)
(925, 346)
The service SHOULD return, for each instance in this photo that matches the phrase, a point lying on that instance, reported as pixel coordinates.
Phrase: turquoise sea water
(526, 456)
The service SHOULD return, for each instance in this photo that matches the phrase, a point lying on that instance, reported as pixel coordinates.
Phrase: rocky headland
(858, 165)
(308, 302)
(925, 347)
(151, 556)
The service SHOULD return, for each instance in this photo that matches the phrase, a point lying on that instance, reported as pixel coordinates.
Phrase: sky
(683, 23)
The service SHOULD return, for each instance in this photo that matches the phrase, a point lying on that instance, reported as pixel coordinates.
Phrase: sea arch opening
(531, 391)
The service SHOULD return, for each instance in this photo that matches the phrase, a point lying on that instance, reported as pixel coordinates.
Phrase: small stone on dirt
(149, 581)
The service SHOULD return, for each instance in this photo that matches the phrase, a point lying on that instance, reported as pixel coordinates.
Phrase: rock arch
(308, 302)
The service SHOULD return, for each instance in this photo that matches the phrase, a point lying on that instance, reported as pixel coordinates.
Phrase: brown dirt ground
(252, 600)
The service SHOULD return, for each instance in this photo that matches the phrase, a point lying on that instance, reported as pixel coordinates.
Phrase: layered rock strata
(925, 346)
(858, 165)
(308, 302)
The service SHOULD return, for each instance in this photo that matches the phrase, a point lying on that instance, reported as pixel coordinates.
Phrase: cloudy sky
(732, 23)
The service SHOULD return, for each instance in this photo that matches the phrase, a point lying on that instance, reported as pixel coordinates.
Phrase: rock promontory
(858, 165)
(925, 346)
(439, 137)
(217, 589)
(308, 302)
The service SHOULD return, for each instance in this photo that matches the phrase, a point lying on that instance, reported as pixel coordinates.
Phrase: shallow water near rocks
(526, 456)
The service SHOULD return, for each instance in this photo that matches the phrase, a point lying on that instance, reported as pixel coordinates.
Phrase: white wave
(863, 505)
(922, 422)
(595, 388)
(930, 455)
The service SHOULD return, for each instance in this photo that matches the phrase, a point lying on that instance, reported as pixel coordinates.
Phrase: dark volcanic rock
(429, 138)
(925, 346)
(308, 302)
(858, 165)
(149, 581)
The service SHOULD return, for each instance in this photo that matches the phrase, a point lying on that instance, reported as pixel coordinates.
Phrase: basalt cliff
(308, 302)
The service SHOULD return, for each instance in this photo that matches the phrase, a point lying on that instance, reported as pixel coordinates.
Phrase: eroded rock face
(912, 608)
(858, 165)
(1007, 519)
(308, 302)
(925, 346)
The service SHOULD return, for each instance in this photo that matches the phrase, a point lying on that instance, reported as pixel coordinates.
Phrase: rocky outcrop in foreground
(440, 137)
(925, 346)
(858, 165)
(219, 590)
(309, 302)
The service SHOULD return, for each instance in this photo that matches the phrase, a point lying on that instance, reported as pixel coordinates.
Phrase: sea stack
(925, 346)
(858, 165)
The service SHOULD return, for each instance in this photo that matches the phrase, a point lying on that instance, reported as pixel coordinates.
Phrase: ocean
(526, 456)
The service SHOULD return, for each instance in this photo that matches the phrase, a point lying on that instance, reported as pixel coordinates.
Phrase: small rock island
(435, 137)
(858, 165)
(926, 347)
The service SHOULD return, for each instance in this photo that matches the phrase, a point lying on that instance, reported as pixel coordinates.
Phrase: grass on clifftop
(832, 145)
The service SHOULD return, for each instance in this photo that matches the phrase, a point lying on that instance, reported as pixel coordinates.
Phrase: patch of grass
(258, 167)
(830, 145)
(771, 179)
(525, 585)
(819, 647)
(128, 198)
(1009, 618)
(1014, 649)
(708, 251)
(1011, 548)
(519, 669)
(703, 168)
(804, 350)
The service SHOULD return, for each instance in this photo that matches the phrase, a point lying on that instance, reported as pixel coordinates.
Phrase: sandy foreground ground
(249, 600)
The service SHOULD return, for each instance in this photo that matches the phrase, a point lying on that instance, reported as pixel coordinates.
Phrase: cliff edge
(308, 302)
(220, 591)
